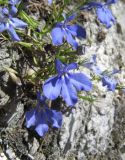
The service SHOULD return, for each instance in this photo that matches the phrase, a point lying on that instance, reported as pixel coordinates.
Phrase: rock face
(88, 129)
(93, 131)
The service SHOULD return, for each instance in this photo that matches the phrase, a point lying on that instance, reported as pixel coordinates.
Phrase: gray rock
(34, 147)
(5, 59)
(10, 154)
(3, 98)
(87, 132)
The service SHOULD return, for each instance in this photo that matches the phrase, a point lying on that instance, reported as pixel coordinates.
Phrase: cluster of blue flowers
(66, 83)
(64, 30)
(50, 2)
(103, 13)
(106, 78)
(8, 22)
(41, 117)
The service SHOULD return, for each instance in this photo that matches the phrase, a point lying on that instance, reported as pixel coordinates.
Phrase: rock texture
(91, 131)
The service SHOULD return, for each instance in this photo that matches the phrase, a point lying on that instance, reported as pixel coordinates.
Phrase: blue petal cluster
(65, 30)
(66, 84)
(103, 13)
(9, 23)
(50, 2)
(13, 4)
(107, 79)
(41, 117)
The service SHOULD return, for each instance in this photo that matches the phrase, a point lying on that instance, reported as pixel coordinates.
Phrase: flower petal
(59, 66)
(41, 98)
(91, 5)
(54, 117)
(70, 18)
(41, 129)
(5, 11)
(80, 81)
(68, 92)
(2, 27)
(13, 10)
(31, 118)
(71, 66)
(109, 82)
(17, 23)
(42, 126)
(92, 62)
(14, 2)
(50, 2)
(52, 87)
(96, 70)
(71, 40)
(111, 2)
(115, 71)
(77, 31)
(105, 16)
(57, 35)
(57, 119)
(13, 34)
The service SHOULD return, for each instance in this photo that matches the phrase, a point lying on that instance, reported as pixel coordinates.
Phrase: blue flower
(111, 2)
(42, 117)
(106, 78)
(66, 84)
(103, 13)
(64, 30)
(50, 2)
(109, 82)
(13, 4)
(9, 23)
(92, 65)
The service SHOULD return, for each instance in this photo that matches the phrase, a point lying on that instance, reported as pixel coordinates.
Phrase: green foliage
(3, 1)
(33, 24)
(66, 2)
(38, 42)
(25, 44)
(87, 98)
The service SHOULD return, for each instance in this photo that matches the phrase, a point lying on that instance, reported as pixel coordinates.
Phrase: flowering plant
(57, 41)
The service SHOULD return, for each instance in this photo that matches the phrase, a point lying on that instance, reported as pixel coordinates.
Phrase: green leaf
(25, 44)
(87, 98)
(3, 1)
(66, 2)
(32, 22)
